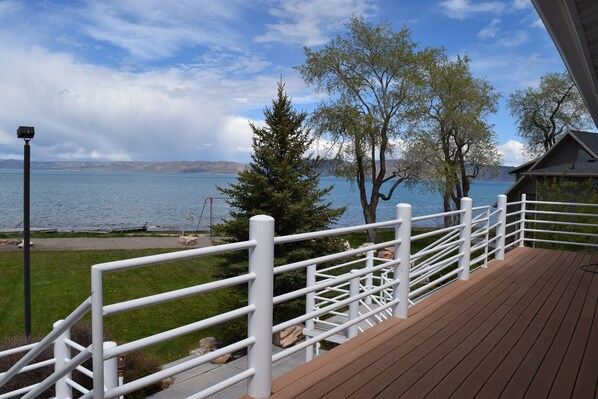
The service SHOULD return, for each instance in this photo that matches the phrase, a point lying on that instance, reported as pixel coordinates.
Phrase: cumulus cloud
(462, 9)
(307, 22)
(513, 153)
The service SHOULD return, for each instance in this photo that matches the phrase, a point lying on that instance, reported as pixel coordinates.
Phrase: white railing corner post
(402, 252)
(310, 304)
(522, 222)
(261, 263)
(61, 354)
(353, 306)
(369, 279)
(97, 332)
(465, 237)
(501, 229)
(110, 368)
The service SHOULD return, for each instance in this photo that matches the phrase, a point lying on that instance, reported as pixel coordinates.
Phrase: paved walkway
(206, 375)
(99, 243)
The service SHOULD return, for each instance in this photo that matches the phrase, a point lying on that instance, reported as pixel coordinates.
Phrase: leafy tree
(545, 112)
(371, 76)
(282, 181)
(453, 139)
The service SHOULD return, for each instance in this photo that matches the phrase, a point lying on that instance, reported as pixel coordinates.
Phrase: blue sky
(155, 80)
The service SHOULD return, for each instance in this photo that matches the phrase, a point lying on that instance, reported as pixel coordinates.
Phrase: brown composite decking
(525, 327)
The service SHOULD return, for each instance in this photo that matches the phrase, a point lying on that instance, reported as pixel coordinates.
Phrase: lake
(70, 200)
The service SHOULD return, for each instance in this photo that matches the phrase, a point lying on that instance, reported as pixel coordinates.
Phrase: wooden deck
(526, 326)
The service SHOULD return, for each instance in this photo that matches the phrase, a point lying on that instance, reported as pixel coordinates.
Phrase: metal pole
(353, 306)
(310, 304)
(62, 352)
(402, 252)
(501, 229)
(261, 263)
(211, 216)
(26, 239)
(465, 235)
(522, 222)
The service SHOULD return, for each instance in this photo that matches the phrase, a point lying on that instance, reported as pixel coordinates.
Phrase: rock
(289, 336)
(222, 359)
(365, 245)
(387, 253)
(188, 240)
(166, 382)
(346, 246)
(206, 345)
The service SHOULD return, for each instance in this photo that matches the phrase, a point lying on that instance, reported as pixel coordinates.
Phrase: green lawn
(60, 281)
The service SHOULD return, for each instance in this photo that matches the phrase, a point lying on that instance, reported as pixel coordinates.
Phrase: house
(573, 157)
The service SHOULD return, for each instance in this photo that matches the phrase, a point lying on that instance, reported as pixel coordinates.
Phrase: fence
(345, 293)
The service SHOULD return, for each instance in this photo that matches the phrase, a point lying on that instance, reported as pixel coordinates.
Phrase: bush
(138, 364)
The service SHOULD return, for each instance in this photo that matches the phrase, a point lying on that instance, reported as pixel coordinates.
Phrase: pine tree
(282, 180)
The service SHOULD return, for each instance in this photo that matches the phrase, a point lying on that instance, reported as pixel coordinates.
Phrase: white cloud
(491, 30)
(82, 111)
(308, 22)
(461, 9)
(537, 23)
(513, 39)
(513, 153)
(521, 4)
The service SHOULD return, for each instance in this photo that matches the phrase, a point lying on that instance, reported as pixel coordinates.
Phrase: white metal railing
(345, 292)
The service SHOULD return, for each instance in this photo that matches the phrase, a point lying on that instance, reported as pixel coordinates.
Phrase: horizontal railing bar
(176, 332)
(85, 371)
(560, 203)
(515, 213)
(328, 258)
(435, 232)
(223, 385)
(435, 282)
(513, 233)
(20, 349)
(17, 392)
(343, 278)
(451, 244)
(494, 212)
(561, 223)
(561, 242)
(562, 213)
(327, 269)
(176, 294)
(557, 232)
(58, 374)
(74, 345)
(78, 387)
(333, 232)
(176, 369)
(479, 208)
(516, 202)
(327, 309)
(35, 366)
(143, 261)
(437, 215)
(48, 339)
(320, 337)
(433, 268)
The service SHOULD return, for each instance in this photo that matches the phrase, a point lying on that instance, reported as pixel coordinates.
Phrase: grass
(60, 281)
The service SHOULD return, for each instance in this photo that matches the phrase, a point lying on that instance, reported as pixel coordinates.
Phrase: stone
(289, 336)
(346, 246)
(188, 240)
(206, 345)
(387, 253)
(222, 359)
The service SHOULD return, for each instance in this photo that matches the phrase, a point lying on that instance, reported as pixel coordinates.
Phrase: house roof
(588, 140)
(573, 27)
(576, 169)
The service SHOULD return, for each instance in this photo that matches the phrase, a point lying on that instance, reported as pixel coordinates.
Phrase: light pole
(26, 133)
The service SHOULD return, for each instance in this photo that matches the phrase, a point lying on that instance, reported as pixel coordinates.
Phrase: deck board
(526, 326)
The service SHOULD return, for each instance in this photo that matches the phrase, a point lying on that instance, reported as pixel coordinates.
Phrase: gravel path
(108, 243)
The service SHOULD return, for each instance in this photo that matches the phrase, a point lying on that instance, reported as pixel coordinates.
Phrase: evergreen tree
(282, 181)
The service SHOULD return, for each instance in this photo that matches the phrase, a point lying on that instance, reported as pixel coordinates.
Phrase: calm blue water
(69, 200)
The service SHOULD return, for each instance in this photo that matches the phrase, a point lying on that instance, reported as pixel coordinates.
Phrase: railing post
(402, 252)
(353, 306)
(501, 229)
(261, 263)
(61, 353)
(310, 304)
(522, 222)
(369, 284)
(97, 333)
(110, 368)
(486, 238)
(465, 236)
